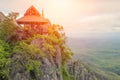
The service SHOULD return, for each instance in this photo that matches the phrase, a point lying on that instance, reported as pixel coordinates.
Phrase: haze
(77, 16)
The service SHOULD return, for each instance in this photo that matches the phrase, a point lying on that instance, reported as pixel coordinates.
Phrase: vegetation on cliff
(24, 51)
(27, 55)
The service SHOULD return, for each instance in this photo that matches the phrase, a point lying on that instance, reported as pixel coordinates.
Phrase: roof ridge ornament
(42, 13)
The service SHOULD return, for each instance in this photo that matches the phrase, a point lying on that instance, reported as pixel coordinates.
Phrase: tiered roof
(32, 15)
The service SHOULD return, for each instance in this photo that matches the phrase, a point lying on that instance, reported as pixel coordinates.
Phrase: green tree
(4, 60)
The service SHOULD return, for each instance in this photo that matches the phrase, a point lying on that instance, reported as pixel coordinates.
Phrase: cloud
(98, 23)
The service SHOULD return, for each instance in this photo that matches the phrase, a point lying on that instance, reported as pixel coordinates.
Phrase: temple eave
(30, 22)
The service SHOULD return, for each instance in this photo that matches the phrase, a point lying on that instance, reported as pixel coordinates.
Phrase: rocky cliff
(27, 55)
(49, 71)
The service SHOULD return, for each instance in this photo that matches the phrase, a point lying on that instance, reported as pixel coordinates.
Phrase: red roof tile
(30, 19)
(32, 11)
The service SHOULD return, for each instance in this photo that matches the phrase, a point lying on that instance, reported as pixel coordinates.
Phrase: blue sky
(77, 16)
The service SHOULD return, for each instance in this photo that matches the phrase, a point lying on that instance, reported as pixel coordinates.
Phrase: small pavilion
(33, 20)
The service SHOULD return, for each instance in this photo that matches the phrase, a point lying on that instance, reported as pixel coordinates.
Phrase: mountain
(84, 71)
(28, 55)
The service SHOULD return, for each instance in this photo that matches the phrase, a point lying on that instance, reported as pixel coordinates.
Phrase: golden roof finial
(42, 13)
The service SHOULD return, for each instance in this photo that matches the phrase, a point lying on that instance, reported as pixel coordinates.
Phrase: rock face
(84, 71)
(48, 70)
(81, 72)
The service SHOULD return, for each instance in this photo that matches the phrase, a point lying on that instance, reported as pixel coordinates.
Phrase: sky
(78, 17)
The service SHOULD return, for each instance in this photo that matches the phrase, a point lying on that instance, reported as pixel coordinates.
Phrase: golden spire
(42, 13)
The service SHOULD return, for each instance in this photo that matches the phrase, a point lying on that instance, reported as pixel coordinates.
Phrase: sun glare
(60, 4)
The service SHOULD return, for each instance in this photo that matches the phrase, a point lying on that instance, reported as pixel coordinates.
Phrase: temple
(33, 20)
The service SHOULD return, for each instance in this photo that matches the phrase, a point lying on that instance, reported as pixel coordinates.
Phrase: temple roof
(32, 15)
(32, 19)
(32, 11)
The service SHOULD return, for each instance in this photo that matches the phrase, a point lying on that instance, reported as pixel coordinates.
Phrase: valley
(102, 51)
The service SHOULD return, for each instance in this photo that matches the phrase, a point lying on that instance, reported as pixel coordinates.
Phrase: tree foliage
(4, 60)
(26, 48)
(8, 30)
(13, 15)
